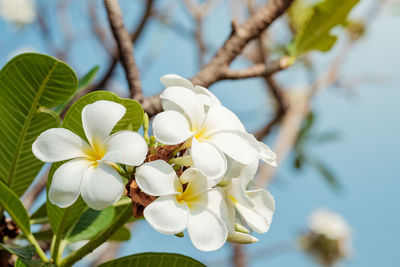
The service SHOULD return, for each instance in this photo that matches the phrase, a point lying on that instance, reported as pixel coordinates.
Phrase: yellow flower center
(96, 151)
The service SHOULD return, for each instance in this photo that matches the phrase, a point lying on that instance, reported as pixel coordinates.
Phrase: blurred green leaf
(32, 263)
(123, 234)
(91, 223)
(26, 252)
(82, 84)
(298, 12)
(153, 259)
(314, 34)
(31, 84)
(40, 214)
(326, 173)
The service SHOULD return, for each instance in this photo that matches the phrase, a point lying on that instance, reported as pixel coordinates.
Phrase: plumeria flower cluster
(198, 167)
(328, 238)
(209, 198)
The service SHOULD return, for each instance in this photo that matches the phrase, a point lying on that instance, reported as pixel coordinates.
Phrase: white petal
(245, 206)
(102, 186)
(238, 145)
(185, 101)
(219, 118)
(206, 231)
(211, 98)
(197, 182)
(65, 187)
(216, 203)
(126, 147)
(166, 215)
(99, 118)
(58, 144)
(171, 128)
(158, 178)
(245, 172)
(208, 159)
(169, 80)
(267, 155)
(264, 203)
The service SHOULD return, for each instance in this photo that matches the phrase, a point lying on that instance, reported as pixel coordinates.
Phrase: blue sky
(365, 158)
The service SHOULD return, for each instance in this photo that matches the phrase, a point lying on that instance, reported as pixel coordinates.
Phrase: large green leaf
(62, 219)
(21, 262)
(153, 259)
(26, 252)
(11, 203)
(30, 84)
(314, 34)
(91, 223)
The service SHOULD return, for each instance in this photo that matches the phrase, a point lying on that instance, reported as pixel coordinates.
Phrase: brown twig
(125, 48)
(239, 258)
(35, 191)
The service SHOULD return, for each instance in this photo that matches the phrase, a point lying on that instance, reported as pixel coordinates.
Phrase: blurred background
(338, 149)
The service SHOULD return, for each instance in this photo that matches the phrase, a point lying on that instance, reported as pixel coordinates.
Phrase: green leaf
(298, 12)
(82, 84)
(32, 263)
(30, 85)
(88, 78)
(91, 223)
(11, 203)
(45, 235)
(326, 173)
(26, 252)
(153, 259)
(40, 215)
(314, 34)
(62, 219)
(122, 234)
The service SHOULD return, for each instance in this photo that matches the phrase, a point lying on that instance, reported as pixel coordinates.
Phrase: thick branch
(240, 36)
(125, 48)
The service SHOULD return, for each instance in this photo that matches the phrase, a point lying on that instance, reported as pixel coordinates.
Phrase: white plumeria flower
(199, 208)
(256, 207)
(330, 224)
(207, 98)
(212, 131)
(90, 172)
(18, 11)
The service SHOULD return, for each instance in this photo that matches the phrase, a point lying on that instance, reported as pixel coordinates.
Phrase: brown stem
(125, 48)
(239, 258)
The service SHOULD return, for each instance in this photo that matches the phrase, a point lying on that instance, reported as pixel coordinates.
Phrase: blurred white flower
(90, 173)
(18, 11)
(328, 239)
(193, 114)
(188, 202)
(330, 224)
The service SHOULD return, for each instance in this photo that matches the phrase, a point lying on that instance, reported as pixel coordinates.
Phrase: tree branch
(257, 70)
(125, 48)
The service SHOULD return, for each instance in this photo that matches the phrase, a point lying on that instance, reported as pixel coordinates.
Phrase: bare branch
(125, 48)
(239, 258)
(35, 191)
(256, 70)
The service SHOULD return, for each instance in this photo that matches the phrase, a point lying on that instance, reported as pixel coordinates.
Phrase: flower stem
(146, 128)
(99, 239)
(39, 250)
